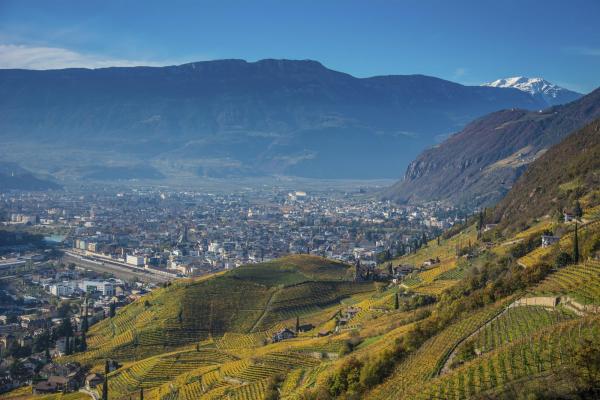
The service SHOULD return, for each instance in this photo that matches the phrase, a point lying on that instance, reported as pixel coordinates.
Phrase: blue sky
(465, 41)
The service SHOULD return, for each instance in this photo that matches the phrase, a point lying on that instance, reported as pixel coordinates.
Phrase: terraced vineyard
(589, 230)
(446, 250)
(543, 225)
(516, 323)
(308, 297)
(412, 281)
(25, 392)
(534, 257)
(581, 281)
(592, 213)
(531, 355)
(436, 288)
(180, 342)
(452, 274)
(430, 357)
(434, 280)
(244, 379)
(190, 311)
(432, 274)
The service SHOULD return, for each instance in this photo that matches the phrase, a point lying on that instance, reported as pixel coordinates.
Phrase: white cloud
(584, 50)
(31, 57)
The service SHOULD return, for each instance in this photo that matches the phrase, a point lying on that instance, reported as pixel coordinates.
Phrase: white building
(135, 260)
(104, 287)
(549, 240)
(62, 289)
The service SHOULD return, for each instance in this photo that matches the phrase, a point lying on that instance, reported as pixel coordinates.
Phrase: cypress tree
(480, 222)
(105, 383)
(85, 322)
(576, 246)
(396, 302)
(83, 344)
(67, 346)
(297, 324)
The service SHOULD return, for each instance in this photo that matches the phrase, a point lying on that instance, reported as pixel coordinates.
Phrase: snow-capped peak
(529, 85)
(537, 87)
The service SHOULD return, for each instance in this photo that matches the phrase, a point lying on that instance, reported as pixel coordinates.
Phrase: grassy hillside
(248, 299)
(568, 172)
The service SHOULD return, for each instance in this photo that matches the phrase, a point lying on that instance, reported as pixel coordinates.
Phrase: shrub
(346, 378)
(562, 259)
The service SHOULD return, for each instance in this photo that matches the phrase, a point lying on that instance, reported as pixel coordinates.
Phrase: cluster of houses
(45, 377)
(33, 335)
(64, 378)
(145, 229)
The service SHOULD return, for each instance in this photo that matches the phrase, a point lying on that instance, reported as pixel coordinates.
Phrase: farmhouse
(568, 217)
(283, 334)
(549, 240)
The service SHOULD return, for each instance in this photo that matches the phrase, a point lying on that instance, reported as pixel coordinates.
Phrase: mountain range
(232, 118)
(478, 165)
(13, 177)
(539, 88)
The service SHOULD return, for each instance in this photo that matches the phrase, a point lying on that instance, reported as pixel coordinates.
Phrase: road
(124, 273)
(93, 395)
(264, 313)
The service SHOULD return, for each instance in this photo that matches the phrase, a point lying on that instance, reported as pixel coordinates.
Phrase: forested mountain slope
(567, 174)
(479, 165)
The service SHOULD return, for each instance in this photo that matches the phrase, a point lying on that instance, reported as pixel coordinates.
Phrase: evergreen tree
(400, 249)
(141, 393)
(424, 239)
(105, 383)
(112, 309)
(83, 344)
(85, 322)
(560, 218)
(438, 240)
(297, 324)
(396, 302)
(576, 246)
(480, 222)
(65, 328)
(67, 346)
